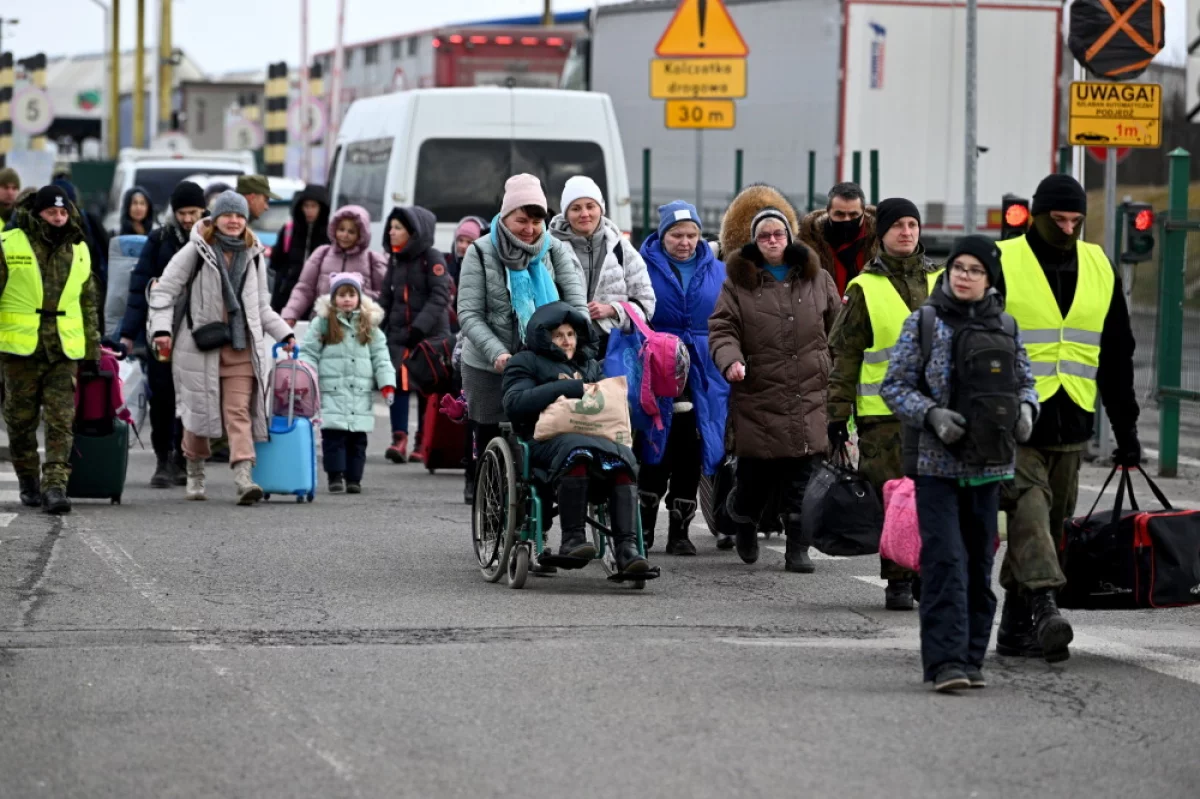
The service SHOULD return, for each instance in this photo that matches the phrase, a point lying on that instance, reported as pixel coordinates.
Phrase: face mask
(838, 233)
(1053, 235)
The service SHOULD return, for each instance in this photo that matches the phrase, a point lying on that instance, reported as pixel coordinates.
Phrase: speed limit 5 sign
(31, 111)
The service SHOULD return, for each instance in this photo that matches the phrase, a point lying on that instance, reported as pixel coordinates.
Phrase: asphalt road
(350, 648)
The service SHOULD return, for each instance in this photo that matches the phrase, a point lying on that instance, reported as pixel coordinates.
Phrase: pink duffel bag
(901, 540)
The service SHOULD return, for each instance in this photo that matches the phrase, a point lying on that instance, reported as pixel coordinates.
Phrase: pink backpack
(295, 388)
(665, 365)
(99, 400)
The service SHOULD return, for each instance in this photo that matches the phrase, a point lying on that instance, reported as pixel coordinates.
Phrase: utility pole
(339, 64)
(305, 137)
(547, 14)
(113, 100)
(139, 78)
(166, 71)
(970, 121)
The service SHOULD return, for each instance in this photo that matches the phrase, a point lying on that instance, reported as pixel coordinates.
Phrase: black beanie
(50, 197)
(187, 195)
(1059, 193)
(891, 211)
(985, 250)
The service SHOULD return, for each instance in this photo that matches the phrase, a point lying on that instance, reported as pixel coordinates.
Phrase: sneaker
(353, 488)
(975, 676)
(951, 678)
(337, 484)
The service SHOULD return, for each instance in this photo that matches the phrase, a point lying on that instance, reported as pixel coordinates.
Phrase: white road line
(1183, 459)
(1161, 662)
(1140, 491)
(10, 497)
(6, 519)
(876, 581)
(8, 477)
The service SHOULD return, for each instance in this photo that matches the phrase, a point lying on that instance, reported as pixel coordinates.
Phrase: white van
(450, 150)
(160, 171)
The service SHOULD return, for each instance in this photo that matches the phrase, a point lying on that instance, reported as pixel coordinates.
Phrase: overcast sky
(227, 35)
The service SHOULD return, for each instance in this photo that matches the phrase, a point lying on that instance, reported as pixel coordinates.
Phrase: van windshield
(364, 172)
(159, 182)
(464, 177)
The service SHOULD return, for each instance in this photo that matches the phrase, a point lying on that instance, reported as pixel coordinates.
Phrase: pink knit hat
(520, 191)
(471, 227)
(339, 279)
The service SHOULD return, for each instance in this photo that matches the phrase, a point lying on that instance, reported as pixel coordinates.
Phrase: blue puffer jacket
(686, 316)
(348, 371)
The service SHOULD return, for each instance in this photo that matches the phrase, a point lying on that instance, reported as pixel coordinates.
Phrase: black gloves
(1129, 450)
(415, 337)
(839, 434)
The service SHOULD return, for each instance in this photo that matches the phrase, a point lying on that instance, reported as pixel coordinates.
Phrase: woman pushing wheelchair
(580, 468)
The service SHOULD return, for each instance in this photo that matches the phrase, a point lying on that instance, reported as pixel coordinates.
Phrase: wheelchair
(508, 520)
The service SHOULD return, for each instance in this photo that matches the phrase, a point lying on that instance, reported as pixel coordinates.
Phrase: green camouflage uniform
(1038, 500)
(46, 379)
(879, 437)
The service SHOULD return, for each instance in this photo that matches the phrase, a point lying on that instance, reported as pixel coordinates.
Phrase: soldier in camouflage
(909, 272)
(47, 329)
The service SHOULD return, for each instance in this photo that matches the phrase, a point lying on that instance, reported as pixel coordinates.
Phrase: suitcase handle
(1126, 483)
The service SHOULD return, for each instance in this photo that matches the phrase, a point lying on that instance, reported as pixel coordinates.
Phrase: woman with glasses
(769, 337)
(960, 380)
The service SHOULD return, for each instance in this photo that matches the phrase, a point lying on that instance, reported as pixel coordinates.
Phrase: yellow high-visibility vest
(1064, 352)
(888, 311)
(21, 303)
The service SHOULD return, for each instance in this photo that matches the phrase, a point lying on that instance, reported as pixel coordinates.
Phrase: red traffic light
(1143, 220)
(1016, 215)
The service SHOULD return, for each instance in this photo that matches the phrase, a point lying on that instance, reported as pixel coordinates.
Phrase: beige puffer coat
(197, 374)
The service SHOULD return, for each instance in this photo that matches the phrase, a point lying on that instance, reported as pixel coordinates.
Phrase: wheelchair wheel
(494, 515)
(518, 567)
(705, 497)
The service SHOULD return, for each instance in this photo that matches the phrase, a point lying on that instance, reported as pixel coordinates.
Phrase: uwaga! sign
(1116, 114)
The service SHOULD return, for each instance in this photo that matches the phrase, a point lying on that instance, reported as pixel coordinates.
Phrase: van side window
(363, 176)
(461, 177)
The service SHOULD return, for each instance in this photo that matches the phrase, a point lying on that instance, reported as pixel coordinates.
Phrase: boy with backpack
(962, 383)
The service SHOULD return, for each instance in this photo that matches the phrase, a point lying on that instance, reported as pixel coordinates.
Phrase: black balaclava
(1058, 193)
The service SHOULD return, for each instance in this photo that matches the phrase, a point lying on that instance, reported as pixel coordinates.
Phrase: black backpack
(986, 388)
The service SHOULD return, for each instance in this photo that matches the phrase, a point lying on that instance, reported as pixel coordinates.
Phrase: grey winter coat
(613, 282)
(198, 374)
(484, 309)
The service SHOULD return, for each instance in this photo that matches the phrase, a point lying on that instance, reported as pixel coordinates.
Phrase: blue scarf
(531, 287)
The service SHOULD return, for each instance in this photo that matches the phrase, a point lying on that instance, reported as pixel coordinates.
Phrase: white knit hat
(578, 188)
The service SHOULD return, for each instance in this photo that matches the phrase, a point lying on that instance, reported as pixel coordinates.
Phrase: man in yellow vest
(47, 329)
(874, 308)
(1070, 306)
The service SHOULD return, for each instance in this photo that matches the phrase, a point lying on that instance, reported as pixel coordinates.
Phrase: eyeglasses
(969, 272)
(778, 235)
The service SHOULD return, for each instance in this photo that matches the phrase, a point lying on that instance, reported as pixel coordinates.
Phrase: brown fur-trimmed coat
(812, 233)
(780, 331)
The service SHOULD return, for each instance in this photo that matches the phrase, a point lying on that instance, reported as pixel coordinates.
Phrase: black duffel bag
(1127, 559)
(841, 511)
(430, 365)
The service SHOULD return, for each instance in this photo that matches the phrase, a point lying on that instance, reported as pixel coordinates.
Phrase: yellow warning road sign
(697, 78)
(1116, 114)
(702, 28)
(701, 114)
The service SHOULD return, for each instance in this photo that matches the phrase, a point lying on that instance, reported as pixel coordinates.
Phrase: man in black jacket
(307, 230)
(1070, 305)
(187, 207)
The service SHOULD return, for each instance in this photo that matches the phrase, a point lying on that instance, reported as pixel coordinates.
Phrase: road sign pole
(856, 167)
(1170, 312)
(645, 193)
(738, 157)
(1077, 74)
(812, 180)
(700, 173)
(970, 144)
(1103, 434)
(874, 170)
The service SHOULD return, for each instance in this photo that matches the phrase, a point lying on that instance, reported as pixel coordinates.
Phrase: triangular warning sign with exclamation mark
(702, 28)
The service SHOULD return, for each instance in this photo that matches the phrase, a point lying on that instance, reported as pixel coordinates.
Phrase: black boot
(178, 469)
(469, 483)
(682, 513)
(898, 595)
(746, 539)
(623, 510)
(162, 477)
(1015, 638)
(55, 501)
(572, 517)
(795, 558)
(648, 504)
(31, 491)
(1054, 632)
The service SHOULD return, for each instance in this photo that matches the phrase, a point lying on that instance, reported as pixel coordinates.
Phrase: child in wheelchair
(578, 468)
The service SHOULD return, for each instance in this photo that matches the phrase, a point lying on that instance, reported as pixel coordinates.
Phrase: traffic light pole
(1170, 312)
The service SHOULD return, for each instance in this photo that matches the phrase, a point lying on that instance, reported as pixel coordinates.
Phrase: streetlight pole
(970, 120)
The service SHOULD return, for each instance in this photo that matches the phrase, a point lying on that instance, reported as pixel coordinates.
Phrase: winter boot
(1016, 638)
(31, 491)
(572, 517)
(337, 484)
(195, 480)
(1054, 632)
(898, 595)
(469, 483)
(725, 542)
(162, 477)
(178, 469)
(55, 501)
(796, 558)
(682, 513)
(648, 507)
(623, 508)
(416, 456)
(398, 451)
(746, 540)
(247, 491)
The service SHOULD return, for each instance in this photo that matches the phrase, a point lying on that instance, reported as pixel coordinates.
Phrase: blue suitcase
(287, 462)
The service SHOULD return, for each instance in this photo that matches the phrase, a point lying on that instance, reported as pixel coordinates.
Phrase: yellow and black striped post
(35, 67)
(276, 123)
(6, 93)
(316, 84)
